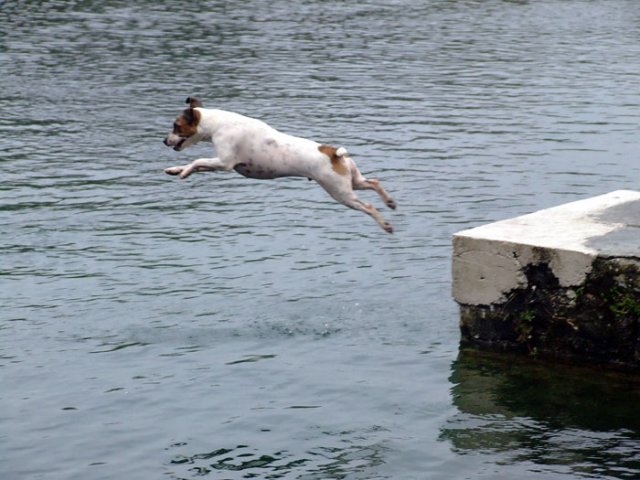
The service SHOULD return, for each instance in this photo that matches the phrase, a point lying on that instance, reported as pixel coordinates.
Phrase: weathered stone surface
(562, 282)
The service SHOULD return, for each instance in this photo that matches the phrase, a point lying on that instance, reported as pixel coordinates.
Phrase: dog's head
(185, 127)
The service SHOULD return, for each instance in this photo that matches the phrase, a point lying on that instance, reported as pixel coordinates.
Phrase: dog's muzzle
(175, 141)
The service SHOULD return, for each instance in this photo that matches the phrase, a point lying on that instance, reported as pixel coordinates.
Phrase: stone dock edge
(560, 283)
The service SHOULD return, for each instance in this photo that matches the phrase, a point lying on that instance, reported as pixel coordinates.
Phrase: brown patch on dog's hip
(337, 163)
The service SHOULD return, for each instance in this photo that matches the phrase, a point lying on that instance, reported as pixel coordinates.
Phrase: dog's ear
(191, 116)
(194, 102)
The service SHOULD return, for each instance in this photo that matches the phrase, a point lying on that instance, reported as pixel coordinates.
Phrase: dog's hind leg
(357, 204)
(359, 182)
(343, 193)
(199, 165)
(340, 187)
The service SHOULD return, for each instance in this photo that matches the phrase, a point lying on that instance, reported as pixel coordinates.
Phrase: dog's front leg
(199, 165)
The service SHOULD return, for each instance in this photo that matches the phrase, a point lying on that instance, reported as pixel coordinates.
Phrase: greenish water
(226, 328)
(547, 416)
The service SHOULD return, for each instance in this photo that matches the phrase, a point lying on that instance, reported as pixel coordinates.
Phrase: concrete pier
(562, 282)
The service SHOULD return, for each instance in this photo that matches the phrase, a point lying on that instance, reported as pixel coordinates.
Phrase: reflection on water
(562, 419)
(320, 463)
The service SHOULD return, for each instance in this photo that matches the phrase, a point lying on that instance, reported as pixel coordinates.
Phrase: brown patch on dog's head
(185, 126)
(337, 163)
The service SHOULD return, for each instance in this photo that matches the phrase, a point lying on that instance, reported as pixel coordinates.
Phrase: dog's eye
(175, 126)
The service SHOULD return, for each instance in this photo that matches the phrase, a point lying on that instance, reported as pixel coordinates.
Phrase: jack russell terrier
(254, 149)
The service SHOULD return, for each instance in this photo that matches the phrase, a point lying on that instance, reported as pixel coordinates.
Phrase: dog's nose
(165, 141)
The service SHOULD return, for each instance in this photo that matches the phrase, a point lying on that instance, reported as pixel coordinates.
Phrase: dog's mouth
(178, 146)
(175, 141)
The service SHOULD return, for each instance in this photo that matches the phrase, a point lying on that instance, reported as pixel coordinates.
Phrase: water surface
(231, 328)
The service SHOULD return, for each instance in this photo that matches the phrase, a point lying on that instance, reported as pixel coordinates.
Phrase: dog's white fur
(256, 150)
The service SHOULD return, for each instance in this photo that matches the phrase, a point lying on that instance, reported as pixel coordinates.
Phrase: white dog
(254, 149)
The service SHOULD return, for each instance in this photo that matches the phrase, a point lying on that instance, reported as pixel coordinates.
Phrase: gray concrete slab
(562, 282)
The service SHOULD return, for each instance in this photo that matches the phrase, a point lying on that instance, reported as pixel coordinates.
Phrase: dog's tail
(341, 152)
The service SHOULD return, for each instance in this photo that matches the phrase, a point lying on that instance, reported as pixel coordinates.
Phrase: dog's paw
(186, 171)
(173, 170)
(391, 203)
